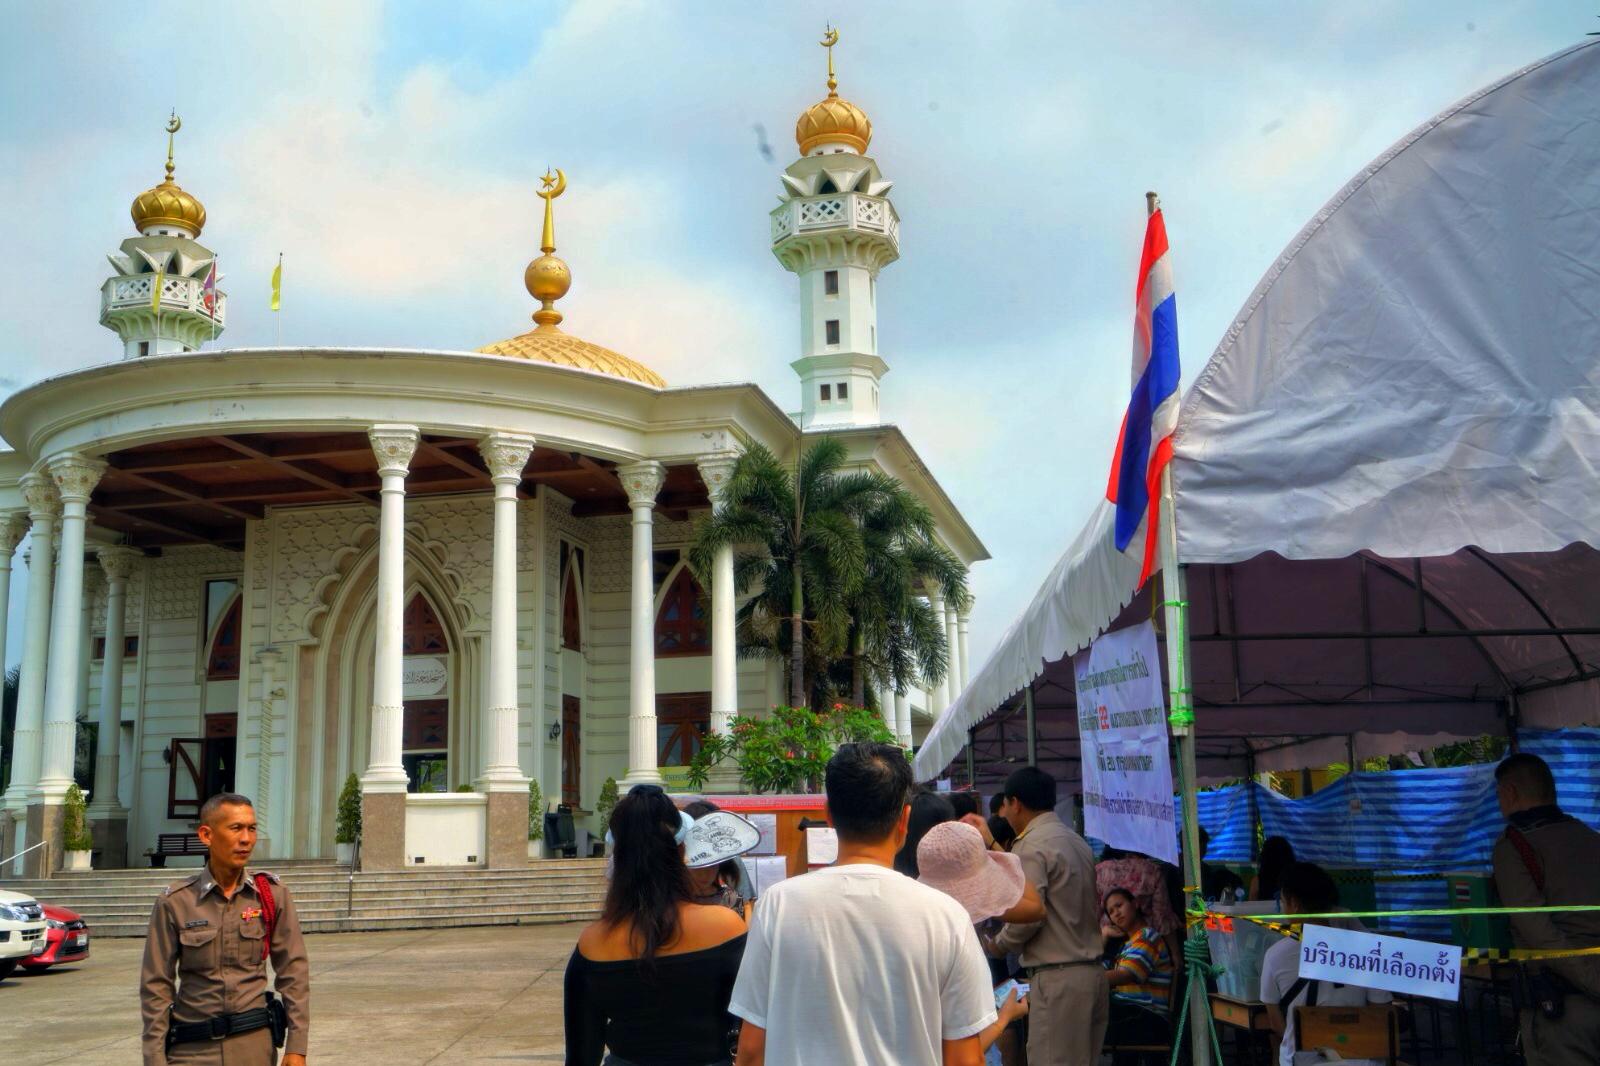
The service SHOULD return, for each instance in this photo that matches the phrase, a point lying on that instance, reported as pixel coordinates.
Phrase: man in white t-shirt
(1307, 889)
(857, 965)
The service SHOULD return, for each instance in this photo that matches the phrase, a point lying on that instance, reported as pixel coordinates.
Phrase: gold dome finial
(167, 204)
(829, 39)
(548, 277)
(833, 120)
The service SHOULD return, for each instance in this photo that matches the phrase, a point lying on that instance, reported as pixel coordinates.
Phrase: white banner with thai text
(1371, 960)
(1122, 726)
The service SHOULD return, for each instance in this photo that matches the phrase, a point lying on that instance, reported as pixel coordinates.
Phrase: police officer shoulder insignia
(185, 883)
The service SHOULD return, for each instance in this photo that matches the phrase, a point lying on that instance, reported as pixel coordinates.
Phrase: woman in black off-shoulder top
(650, 981)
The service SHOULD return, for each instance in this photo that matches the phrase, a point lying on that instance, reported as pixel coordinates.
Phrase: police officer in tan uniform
(1547, 858)
(203, 990)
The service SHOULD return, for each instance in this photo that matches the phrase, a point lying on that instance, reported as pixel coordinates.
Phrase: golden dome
(548, 278)
(834, 120)
(167, 203)
(547, 344)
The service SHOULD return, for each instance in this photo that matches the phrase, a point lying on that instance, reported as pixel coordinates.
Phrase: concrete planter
(344, 854)
(536, 849)
(76, 861)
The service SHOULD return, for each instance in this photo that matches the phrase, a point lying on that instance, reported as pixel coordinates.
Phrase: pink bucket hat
(952, 859)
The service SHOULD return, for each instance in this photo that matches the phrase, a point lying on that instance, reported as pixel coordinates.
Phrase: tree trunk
(797, 634)
(858, 673)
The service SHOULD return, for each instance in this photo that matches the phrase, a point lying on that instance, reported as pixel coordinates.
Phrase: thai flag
(209, 294)
(1144, 446)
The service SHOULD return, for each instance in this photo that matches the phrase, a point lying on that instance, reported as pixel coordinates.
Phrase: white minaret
(165, 256)
(836, 228)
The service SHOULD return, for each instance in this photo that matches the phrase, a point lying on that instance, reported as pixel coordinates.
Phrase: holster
(1543, 991)
(277, 1020)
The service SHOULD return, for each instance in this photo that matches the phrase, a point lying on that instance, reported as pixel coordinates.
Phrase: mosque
(445, 572)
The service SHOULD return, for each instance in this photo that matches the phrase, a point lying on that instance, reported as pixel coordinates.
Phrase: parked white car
(22, 930)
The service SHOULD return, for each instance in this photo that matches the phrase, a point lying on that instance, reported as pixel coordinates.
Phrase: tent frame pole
(1174, 583)
(1033, 730)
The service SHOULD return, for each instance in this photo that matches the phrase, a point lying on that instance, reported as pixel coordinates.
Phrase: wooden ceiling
(201, 490)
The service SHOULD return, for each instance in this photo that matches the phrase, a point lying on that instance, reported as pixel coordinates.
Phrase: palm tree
(805, 554)
(839, 554)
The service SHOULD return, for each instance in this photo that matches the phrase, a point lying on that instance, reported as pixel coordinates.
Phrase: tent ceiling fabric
(1415, 378)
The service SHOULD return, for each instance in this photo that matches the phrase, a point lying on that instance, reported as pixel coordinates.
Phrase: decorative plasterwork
(118, 562)
(643, 481)
(459, 533)
(75, 476)
(13, 526)
(611, 545)
(308, 548)
(133, 601)
(506, 454)
(715, 470)
(394, 446)
(174, 580)
(39, 489)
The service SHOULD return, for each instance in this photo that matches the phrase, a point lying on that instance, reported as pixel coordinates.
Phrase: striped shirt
(1145, 957)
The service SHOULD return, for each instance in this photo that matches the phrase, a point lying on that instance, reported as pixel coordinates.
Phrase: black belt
(219, 1028)
(1031, 970)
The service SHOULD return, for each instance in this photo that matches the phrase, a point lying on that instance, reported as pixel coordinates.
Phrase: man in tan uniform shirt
(1549, 859)
(203, 961)
(1069, 999)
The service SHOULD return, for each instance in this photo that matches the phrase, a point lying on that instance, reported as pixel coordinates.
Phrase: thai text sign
(1122, 726)
(1368, 960)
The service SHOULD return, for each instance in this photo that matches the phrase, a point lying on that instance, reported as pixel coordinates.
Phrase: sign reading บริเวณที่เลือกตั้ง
(1368, 960)
(1122, 726)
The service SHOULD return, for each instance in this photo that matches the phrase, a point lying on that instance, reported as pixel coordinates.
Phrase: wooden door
(571, 751)
(185, 782)
(681, 721)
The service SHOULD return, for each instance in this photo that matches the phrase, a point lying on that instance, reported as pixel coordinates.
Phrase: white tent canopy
(1387, 477)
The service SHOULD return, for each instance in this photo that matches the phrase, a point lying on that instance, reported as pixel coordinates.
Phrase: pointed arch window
(571, 616)
(423, 633)
(682, 626)
(222, 664)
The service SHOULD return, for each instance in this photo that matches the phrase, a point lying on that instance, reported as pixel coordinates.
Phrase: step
(403, 920)
(128, 912)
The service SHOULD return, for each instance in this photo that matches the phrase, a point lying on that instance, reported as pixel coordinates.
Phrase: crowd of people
(943, 937)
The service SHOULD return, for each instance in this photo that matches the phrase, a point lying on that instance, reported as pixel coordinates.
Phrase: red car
(68, 938)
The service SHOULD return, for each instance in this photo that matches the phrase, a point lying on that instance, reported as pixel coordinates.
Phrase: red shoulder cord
(269, 912)
(1530, 858)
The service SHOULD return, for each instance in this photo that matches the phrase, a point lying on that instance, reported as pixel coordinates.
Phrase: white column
(715, 470)
(75, 477)
(44, 511)
(13, 527)
(952, 638)
(902, 719)
(939, 694)
(643, 481)
(964, 618)
(506, 454)
(394, 446)
(118, 564)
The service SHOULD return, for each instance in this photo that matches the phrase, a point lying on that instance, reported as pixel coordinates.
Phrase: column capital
(643, 481)
(13, 526)
(40, 491)
(506, 454)
(118, 561)
(268, 656)
(716, 468)
(394, 445)
(75, 475)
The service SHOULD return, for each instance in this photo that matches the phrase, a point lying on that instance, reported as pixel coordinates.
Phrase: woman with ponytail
(650, 981)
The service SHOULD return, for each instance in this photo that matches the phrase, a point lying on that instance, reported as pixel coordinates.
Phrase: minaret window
(826, 187)
(830, 283)
(844, 390)
(144, 347)
(827, 393)
(832, 330)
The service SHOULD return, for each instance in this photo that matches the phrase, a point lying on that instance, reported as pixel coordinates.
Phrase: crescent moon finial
(554, 185)
(174, 124)
(829, 39)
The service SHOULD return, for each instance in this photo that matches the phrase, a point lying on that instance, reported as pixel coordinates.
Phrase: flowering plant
(788, 750)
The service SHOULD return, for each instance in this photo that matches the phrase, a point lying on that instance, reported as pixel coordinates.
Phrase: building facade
(444, 572)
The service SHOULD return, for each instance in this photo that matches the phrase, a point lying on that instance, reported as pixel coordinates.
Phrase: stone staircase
(118, 902)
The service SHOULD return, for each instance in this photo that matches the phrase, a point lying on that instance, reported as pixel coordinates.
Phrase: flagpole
(277, 297)
(1175, 607)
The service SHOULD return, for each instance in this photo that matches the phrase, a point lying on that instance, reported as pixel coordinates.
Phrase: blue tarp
(1400, 822)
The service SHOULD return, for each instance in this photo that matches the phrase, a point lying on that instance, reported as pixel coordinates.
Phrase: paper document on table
(822, 846)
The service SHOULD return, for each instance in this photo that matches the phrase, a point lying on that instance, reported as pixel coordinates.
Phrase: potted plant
(347, 826)
(788, 750)
(76, 842)
(535, 821)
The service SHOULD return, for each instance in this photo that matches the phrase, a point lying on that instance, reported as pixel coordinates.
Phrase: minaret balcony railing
(856, 211)
(178, 293)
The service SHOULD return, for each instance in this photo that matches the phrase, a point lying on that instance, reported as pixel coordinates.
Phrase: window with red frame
(682, 627)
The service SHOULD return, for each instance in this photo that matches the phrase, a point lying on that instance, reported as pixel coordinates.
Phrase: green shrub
(535, 812)
(606, 803)
(463, 788)
(75, 832)
(347, 825)
(788, 750)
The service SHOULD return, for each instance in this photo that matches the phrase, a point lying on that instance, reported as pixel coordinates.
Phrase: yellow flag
(155, 291)
(277, 284)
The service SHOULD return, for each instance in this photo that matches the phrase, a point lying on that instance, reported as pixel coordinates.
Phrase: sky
(390, 152)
